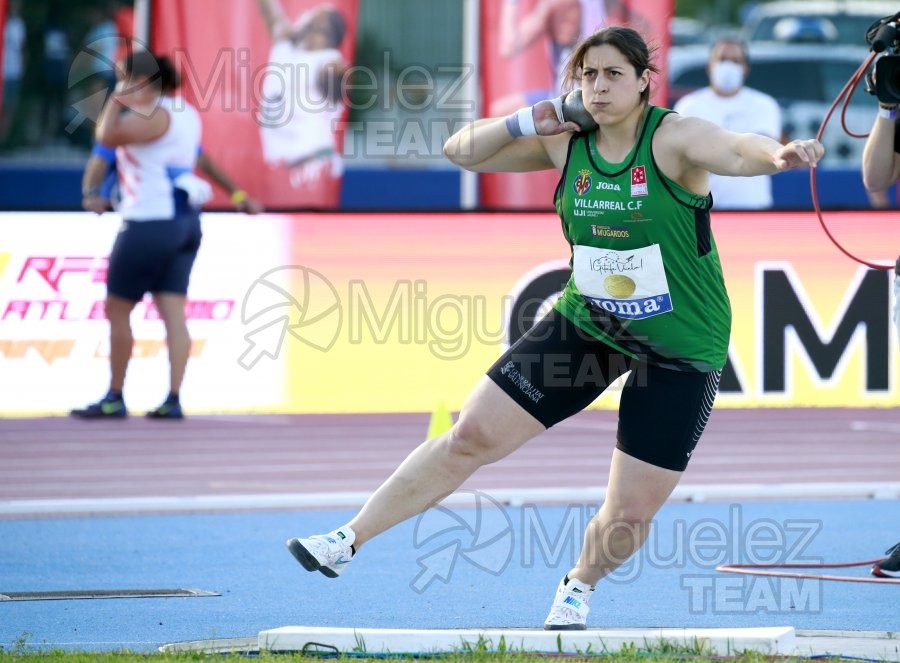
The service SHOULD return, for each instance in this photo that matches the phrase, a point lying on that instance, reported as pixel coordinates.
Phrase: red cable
(845, 94)
(756, 570)
(847, 91)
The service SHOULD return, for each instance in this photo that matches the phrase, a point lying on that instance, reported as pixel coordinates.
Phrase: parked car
(834, 21)
(685, 31)
(804, 79)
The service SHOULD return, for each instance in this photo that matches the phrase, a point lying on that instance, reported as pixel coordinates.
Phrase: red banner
(268, 78)
(523, 50)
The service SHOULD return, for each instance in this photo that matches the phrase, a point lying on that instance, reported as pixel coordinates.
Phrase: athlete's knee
(625, 518)
(471, 437)
(176, 328)
(172, 317)
(117, 312)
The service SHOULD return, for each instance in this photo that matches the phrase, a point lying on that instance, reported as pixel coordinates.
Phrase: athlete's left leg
(178, 340)
(662, 414)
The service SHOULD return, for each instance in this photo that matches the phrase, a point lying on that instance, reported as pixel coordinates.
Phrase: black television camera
(884, 36)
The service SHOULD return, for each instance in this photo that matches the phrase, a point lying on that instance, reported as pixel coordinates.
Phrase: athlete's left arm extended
(707, 146)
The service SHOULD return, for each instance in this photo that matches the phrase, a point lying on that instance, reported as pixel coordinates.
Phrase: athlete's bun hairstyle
(144, 64)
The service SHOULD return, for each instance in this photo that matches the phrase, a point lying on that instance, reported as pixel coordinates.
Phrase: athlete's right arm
(118, 125)
(91, 184)
(487, 146)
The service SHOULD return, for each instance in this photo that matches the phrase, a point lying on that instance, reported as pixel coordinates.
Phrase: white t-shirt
(296, 120)
(13, 45)
(147, 170)
(747, 111)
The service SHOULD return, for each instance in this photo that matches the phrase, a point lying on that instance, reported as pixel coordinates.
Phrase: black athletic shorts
(154, 256)
(556, 370)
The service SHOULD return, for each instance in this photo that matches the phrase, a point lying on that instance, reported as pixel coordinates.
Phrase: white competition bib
(628, 284)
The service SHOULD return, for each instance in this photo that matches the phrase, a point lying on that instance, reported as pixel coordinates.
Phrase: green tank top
(646, 277)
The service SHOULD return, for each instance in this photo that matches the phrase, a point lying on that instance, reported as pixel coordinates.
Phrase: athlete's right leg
(131, 264)
(536, 383)
(121, 340)
(491, 426)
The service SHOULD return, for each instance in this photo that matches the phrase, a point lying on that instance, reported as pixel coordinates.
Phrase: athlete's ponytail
(171, 80)
(144, 64)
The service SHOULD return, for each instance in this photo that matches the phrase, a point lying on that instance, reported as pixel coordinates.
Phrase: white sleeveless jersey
(147, 170)
(296, 120)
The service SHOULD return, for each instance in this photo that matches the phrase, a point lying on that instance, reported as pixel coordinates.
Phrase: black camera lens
(886, 35)
(887, 79)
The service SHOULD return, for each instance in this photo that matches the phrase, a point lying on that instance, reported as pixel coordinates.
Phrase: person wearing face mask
(731, 105)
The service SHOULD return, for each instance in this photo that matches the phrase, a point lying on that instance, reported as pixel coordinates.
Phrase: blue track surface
(503, 566)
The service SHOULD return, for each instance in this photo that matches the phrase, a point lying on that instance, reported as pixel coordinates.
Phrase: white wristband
(521, 123)
(526, 121)
(887, 113)
(558, 105)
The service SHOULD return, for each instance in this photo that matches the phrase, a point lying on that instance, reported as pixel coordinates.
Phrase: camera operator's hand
(798, 154)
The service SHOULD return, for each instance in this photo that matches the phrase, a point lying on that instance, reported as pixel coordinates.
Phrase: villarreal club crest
(582, 183)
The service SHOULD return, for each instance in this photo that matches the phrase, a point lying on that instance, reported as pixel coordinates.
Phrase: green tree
(712, 11)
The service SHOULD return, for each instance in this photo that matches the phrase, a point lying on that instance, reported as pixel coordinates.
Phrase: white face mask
(727, 76)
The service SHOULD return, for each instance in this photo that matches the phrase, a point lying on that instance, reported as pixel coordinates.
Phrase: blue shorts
(154, 256)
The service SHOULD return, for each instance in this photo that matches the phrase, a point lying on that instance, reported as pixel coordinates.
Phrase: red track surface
(59, 458)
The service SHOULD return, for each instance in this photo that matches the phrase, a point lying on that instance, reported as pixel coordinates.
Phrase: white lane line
(875, 426)
(511, 496)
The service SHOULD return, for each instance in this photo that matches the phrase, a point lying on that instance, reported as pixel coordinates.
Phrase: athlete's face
(610, 86)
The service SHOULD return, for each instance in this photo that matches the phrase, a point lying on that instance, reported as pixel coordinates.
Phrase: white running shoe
(570, 606)
(326, 553)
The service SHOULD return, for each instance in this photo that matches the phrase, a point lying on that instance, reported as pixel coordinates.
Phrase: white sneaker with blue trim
(570, 606)
(327, 553)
